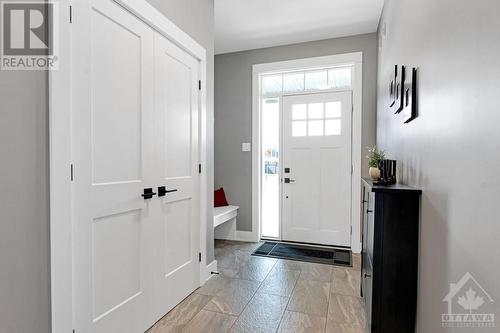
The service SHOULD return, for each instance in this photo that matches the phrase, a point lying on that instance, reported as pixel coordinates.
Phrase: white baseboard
(356, 248)
(246, 236)
(206, 273)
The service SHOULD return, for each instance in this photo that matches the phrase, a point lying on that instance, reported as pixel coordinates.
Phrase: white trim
(203, 161)
(61, 270)
(61, 243)
(355, 60)
(247, 236)
(206, 271)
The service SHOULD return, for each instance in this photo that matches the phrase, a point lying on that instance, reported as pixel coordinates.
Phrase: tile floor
(261, 295)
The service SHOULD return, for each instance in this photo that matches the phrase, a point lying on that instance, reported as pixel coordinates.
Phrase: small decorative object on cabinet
(387, 172)
(374, 157)
(410, 95)
(390, 222)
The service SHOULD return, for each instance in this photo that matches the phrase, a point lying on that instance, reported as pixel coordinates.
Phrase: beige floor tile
(356, 261)
(232, 259)
(315, 272)
(346, 310)
(229, 273)
(213, 285)
(332, 327)
(310, 297)
(255, 269)
(179, 316)
(209, 322)
(247, 246)
(233, 297)
(295, 322)
(261, 315)
(346, 281)
(280, 282)
(292, 265)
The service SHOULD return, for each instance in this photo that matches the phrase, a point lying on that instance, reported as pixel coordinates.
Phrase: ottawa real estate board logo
(468, 305)
(29, 35)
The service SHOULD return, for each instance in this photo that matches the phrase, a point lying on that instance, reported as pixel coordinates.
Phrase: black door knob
(162, 191)
(148, 193)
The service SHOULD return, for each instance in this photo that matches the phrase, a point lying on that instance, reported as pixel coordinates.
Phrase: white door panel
(317, 149)
(113, 119)
(176, 103)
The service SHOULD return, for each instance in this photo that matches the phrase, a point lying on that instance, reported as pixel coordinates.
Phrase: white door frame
(61, 243)
(355, 60)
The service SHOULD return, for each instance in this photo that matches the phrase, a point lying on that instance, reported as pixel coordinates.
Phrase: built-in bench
(225, 222)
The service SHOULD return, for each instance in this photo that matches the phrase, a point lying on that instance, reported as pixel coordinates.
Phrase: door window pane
(272, 84)
(299, 128)
(270, 167)
(293, 82)
(299, 111)
(333, 110)
(339, 77)
(316, 80)
(332, 127)
(315, 127)
(315, 111)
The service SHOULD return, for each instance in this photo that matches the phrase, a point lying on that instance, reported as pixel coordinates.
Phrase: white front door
(134, 127)
(178, 231)
(317, 168)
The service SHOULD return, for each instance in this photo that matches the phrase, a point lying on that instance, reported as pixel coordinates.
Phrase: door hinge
(199, 84)
(71, 172)
(199, 168)
(70, 14)
(352, 108)
(199, 256)
(351, 230)
(352, 169)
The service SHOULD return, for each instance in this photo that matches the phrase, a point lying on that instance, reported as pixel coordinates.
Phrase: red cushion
(220, 198)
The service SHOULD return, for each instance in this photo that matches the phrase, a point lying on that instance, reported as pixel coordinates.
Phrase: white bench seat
(225, 222)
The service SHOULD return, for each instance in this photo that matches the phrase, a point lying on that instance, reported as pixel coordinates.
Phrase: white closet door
(113, 154)
(177, 230)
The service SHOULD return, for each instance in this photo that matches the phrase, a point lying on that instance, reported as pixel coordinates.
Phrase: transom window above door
(316, 119)
(273, 85)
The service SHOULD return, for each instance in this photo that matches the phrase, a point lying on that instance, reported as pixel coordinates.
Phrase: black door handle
(288, 180)
(162, 191)
(148, 193)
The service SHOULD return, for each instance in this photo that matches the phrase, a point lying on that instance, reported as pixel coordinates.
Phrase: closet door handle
(162, 191)
(148, 193)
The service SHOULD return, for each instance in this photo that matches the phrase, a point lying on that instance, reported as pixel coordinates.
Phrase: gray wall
(452, 150)
(233, 108)
(24, 221)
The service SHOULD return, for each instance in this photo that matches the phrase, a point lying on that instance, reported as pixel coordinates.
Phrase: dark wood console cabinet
(390, 222)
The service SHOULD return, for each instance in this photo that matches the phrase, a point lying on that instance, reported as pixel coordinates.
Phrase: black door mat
(306, 253)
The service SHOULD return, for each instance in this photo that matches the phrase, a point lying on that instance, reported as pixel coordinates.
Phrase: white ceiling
(251, 24)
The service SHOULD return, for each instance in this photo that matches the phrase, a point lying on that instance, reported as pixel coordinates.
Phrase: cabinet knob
(369, 211)
(368, 275)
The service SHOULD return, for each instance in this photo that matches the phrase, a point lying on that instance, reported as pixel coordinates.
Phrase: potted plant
(374, 157)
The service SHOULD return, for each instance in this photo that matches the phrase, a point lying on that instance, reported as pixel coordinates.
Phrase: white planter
(374, 173)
